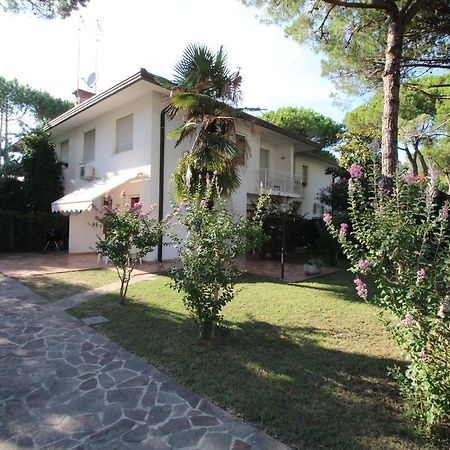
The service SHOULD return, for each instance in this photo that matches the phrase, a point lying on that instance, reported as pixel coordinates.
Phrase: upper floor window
(64, 153)
(304, 175)
(124, 134)
(263, 158)
(89, 147)
(241, 143)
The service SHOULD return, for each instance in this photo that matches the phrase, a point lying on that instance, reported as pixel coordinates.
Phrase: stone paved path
(64, 386)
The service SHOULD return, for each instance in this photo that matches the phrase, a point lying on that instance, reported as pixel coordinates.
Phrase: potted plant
(313, 266)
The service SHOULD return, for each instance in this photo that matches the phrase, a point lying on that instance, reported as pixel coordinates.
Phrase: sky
(116, 38)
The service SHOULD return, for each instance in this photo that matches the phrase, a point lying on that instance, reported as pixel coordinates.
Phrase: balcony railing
(279, 182)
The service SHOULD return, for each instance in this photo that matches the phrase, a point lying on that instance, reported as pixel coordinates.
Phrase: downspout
(162, 141)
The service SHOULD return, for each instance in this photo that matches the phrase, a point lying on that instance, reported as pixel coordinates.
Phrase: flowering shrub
(129, 234)
(401, 237)
(208, 269)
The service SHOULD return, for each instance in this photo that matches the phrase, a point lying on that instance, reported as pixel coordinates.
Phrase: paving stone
(89, 384)
(216, 441)
(241, 445)
(202, 421)
(174, 425)
(64, 386)
(158, 414)
(186, 438)
(128, 397)
(137, 434)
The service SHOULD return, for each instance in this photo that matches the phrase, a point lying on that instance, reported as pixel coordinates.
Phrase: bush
(401, 236)
(129, 234)
(214, 238)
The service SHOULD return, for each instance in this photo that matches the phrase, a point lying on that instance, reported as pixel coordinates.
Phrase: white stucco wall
(144, 157)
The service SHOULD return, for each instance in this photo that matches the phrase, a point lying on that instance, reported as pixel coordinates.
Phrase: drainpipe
(162, 141)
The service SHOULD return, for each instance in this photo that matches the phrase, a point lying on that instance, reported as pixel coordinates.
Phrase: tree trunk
(391, 86)
(423, 163)
(412, 161)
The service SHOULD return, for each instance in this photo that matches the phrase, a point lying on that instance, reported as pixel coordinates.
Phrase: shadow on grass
(281, 379)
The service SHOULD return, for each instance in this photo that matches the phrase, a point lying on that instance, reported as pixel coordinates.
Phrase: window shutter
(89, 147)
(124, 134)
(64, 152)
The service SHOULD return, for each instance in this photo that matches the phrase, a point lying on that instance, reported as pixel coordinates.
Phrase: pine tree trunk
(391, 85)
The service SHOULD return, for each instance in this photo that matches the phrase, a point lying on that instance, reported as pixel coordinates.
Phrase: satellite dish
(91, 79)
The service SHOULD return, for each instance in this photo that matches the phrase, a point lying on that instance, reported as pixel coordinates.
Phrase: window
(64, 153)
(134, 200)
(124, 134)
(89, 147)
(241, 143)
(304, 175)
(263, 159)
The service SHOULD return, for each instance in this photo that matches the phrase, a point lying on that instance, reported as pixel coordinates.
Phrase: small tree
(129, 234)
(215, 237)
(401, 238)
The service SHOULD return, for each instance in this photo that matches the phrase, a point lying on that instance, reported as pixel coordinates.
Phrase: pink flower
(420, 276)
(108, 197)
(355, 171)
(407, 321)
(152, 207)
(408, 179)
(106, 210)
(202, 203)
(363, 264)
(445, 213)
(327, 218)
(343, 230)
(351, 185)
(361, 288)
(138, 205)
(123, 193)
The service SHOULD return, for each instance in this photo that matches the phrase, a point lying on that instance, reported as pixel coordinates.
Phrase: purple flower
(407, 321)
(123, 194)
(106, 210)
(343, 230)
(420, 276)
(445, 213)
(355, 171)
(108, 197)
(327, 218)
(363, 264)
(152, 207)
(138, 205)
(361, 288)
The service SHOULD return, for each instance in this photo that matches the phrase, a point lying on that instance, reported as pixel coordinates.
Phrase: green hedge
(27, 232)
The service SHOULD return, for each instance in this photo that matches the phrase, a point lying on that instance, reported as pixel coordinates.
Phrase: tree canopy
(21, 107)
(367, 42)
(45, 9)
(306, 122)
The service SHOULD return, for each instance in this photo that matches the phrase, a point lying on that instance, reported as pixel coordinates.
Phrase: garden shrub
(214, 238)
(129, 234)
(401, 237)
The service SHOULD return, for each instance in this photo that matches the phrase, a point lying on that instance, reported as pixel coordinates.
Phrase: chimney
(82, 95)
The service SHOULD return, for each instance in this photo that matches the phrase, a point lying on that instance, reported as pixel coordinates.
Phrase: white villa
(117, 140)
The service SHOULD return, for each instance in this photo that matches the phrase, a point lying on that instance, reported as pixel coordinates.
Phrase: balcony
(279, 183)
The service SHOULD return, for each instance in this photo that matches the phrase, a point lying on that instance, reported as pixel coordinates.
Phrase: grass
(304, 362)
(55, 286)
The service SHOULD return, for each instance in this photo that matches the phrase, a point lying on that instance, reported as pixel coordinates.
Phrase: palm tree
(205, 94)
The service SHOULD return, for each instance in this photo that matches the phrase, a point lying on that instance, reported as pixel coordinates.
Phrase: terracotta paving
(26, 264)
(270, 268)
(18, 265)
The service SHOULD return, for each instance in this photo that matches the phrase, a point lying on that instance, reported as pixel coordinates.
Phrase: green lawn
(304, 362)
(55, 286)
